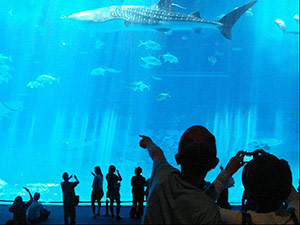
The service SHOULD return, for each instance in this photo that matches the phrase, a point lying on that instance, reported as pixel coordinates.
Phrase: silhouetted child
(113, 190)
(19, 208)
(138, 182)
(36, 211)
(268, 182)
(178, 197)
(97, 192)
(69, 198)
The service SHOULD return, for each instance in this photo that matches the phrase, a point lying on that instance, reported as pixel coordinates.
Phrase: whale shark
(159, 16)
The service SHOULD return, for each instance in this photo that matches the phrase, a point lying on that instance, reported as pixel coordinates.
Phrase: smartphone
(248, 158)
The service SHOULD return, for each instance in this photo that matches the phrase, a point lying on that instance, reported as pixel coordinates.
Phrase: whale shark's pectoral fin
(164, 4)
(164, 30)
(196, 14)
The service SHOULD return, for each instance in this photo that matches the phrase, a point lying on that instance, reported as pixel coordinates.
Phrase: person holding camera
(268, 182)
(113, 190)
(19, 208)
(70, 200)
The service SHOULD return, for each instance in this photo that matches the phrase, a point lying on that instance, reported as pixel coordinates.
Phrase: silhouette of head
(97, 170)
(138, 170)
(267, 181)
(65, 176)
(18, 200)
(36, 196)
(111, 169)
(197, 150)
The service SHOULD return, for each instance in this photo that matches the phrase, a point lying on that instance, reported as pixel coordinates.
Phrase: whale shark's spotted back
(152, 15)
(160, 17)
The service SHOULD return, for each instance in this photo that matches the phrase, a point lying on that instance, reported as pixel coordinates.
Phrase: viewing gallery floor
(83, 216)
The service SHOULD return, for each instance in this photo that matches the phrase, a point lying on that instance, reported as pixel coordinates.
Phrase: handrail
(52, 202)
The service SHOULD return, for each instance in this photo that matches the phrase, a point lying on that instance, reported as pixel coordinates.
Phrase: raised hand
(145, 141)
(26, 189)
(235, 162)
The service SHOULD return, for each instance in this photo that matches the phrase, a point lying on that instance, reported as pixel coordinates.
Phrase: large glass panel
(101, 89)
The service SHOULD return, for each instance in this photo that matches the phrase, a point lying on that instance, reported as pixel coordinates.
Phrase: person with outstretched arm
(178, 197)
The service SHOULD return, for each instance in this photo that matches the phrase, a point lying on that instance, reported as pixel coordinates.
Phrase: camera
(248, 156)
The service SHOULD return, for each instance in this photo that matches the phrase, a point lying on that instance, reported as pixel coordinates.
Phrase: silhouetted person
(97, 192)
(36, 211)
(69, 198)
(268, 182)
(138, 182)
(19, 208)
(223, 198)
(113, 190)
(178, 197)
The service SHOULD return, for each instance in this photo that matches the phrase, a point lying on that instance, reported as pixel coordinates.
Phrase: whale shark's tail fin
(229, 19)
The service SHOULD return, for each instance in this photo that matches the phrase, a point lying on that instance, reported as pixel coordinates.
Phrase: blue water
(248, 97)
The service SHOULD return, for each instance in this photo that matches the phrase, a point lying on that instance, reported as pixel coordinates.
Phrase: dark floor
(83, 216)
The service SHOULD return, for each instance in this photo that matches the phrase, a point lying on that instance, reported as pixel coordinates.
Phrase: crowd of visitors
(183, 196)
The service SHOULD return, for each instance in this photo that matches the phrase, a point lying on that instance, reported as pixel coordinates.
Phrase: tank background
(249, 97)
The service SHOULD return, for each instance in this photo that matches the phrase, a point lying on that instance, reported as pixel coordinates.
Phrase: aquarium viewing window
(76, 90)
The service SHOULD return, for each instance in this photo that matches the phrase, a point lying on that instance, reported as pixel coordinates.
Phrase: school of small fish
(42, 80)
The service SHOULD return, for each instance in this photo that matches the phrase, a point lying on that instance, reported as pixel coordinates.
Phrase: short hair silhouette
(111, 169)
(36, 196)
(267, 181)
(197, 150)
(138, 170)
(65, 176)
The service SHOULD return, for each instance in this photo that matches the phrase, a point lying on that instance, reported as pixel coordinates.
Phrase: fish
(159, 17)
(296, 18)
(137, 86)
(156, 78)
(5, 74)
(150, 45)
(265, 143)
(101, 71)
(178, 6)
(47, 79)
(212, 60)
(281, 24)
(150, 61)
(163, 96)
(4, 58)
(170, 58)
(34, 84)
